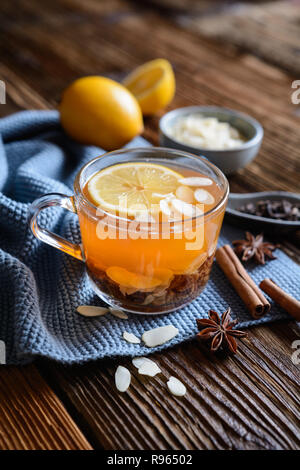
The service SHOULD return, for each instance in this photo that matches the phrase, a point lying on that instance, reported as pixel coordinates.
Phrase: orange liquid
(152, 258)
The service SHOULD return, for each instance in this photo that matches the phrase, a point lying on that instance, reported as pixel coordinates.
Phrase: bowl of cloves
(270, 210)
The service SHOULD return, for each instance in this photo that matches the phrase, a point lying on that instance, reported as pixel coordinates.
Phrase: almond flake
(149, 368)
(196, 181)
(159, 335)
(138, 361)
(201, 195)
(176, 387)
(146, 366)
(92, 311)
(131, 338)
(118, 313)
(122, 378)
(184, 208)
(184, 193)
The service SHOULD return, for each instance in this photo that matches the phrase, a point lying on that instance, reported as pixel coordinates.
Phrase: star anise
(219, 331)
(254, 247)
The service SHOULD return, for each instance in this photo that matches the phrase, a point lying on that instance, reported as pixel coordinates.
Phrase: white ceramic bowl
(228, 161)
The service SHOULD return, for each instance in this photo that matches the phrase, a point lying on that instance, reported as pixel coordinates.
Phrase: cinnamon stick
(286, 301)
(244, 285)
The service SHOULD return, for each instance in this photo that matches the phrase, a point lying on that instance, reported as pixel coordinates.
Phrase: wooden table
(249, 401)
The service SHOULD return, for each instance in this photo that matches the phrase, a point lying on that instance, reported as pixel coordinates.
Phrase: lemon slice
(132, 188)
(153, 85)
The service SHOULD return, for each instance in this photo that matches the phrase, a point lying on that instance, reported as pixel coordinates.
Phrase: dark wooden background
(250, 401)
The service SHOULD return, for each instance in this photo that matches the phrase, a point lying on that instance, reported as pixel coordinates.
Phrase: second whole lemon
(153, 85)
(98, 111)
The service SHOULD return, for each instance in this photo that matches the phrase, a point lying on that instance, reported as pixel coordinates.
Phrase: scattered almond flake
(176, 387)
(138, 361)
(122, 378)
(184, 193)
(196, 181)
(149, 368)
(92, 311)
(159, 335)
(183, 207)
(131, 338)
(146, 366)
(201, 195)
(118, 313)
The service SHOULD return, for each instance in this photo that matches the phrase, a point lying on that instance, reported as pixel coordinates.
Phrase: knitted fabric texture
(41, 287)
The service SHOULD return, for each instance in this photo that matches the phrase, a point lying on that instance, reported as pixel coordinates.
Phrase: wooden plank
(269, 30)
(18, 94)
(31, 415)
(249, 401)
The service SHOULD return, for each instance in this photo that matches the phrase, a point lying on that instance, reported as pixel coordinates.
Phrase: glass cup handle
(51, 200)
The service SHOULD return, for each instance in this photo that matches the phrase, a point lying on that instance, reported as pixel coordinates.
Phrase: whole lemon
(99, 111)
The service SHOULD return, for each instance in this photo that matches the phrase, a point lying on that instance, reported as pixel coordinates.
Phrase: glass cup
(144, 265)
